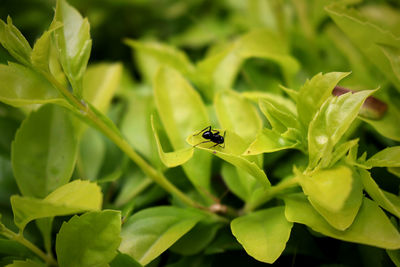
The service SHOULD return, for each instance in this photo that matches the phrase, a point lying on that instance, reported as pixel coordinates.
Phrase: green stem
(157, 176)
(21, 239)
(270, 193)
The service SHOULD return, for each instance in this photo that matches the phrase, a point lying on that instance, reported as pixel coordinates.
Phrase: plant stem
(270, 193)
(21, 239)
(157, 176)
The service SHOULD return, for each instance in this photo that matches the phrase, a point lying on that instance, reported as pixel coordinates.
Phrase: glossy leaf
(386, 200)
(32, 89)
(232, 153)
(44, 151)
(315, 92)
(75, 197)
(341, 150)
(14, 42)
(329, 188)
(182, 112)
(152, 55)
(330, 123)
(100, 83)
(42, 50)
(263, 234)
(150, 232)
(91, 239)
(268, 141)
(389, 157)
(368, 36)
(343, 218)
(74, 43)
(370, 227)
(175, 158)
(236, 114)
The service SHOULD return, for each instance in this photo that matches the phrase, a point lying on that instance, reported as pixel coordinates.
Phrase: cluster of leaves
(142, 180)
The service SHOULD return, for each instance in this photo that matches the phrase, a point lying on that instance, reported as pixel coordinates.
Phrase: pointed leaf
(41, 52)
(263, 234)
(371, 226)
(240, 182)
(315, 92)
(268, 141)
(330, 123)
(386, 200)
(150, 232)
(74, 43)
(389, 157)
(75, 197)
(14, 42)
(44, 151)
(91, 239)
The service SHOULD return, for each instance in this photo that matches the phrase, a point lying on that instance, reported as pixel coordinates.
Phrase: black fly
(212, 136)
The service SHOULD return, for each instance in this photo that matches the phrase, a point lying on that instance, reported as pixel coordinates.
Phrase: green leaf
(151, 55)
(232, 153)
(343, 218)
(241, 183)
(14, 42)
(45, 227)
(182, 112)
(263, 234)
(73, 42)
(218, 71)
(20, 86)
(315, 92)
(387, 125)
(368, 38)
(137, 129)
(371, 226)
(100, 83)
(41, 52)
(329, 188)
(91, 239)
(75, 197)
(386, 200)
(175, 158)
(44, 151)
(341, 150)
(150, 232)
(123, 260)
(389, 157)
(197, 239)
(280, 116)
(236, 114)
(268, 141)
(330, 123)
(393, 55)
(27, 263)
(92, 151)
